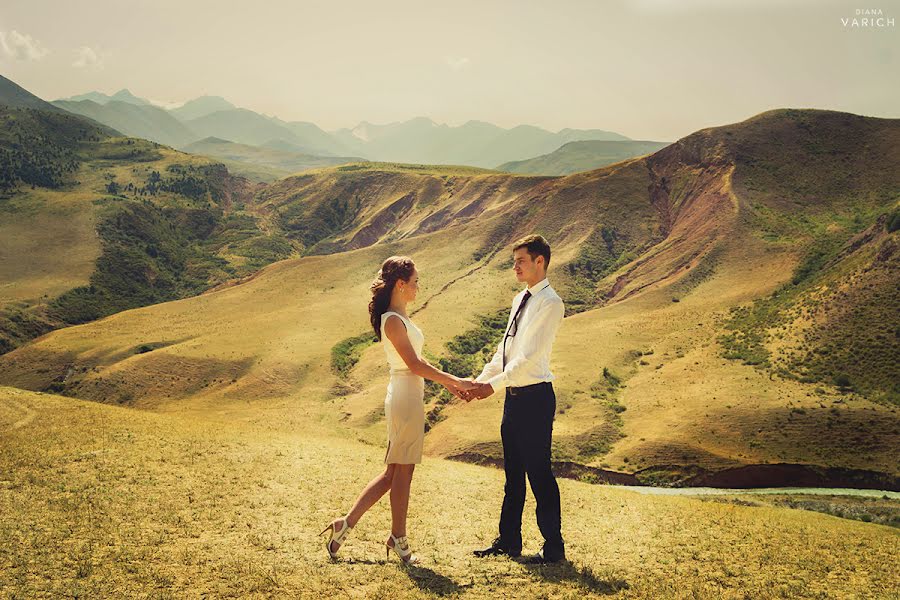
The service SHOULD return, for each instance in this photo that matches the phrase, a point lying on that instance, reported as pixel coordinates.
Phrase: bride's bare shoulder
(392, 323)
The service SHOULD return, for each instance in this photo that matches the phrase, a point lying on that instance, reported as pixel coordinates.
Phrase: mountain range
(418, 140)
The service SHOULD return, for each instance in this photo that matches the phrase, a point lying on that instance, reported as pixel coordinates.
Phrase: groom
(521, 366)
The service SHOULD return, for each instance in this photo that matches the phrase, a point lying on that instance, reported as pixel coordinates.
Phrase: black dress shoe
(497, 548)
(545, 557)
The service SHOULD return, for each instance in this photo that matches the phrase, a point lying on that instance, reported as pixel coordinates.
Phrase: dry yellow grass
(238, 442)
(47, 244)
(102, 501)
(260, 351)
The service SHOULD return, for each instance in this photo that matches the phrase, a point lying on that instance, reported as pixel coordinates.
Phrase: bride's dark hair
(392, 270)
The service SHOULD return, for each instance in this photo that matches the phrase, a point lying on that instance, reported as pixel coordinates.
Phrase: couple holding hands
(520, 367)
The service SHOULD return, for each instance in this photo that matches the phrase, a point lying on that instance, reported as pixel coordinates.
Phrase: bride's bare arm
(395, 330)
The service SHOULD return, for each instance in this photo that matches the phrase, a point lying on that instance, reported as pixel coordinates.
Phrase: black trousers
(526, 432)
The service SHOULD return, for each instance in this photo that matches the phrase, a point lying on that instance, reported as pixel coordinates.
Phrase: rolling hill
(262, 163)
(702, 282)
(47, 238)
(15, 96)
(573, 157)
(94, 223)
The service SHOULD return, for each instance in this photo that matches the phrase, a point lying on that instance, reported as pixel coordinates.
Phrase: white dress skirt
(404, 405)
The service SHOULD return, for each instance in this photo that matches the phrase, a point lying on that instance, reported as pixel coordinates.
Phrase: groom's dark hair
(536, 246)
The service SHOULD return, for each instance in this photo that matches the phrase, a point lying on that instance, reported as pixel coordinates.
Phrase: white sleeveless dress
(404, 406)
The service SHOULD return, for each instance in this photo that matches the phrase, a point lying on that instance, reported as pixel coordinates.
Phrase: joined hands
(468, 389)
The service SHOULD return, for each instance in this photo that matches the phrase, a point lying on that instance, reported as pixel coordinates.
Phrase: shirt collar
(538, 286)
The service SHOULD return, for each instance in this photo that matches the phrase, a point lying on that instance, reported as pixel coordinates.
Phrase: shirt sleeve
(496, 365)
(540, 331)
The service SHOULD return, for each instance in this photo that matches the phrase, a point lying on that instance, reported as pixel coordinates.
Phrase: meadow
(100, 500)
(210, 395)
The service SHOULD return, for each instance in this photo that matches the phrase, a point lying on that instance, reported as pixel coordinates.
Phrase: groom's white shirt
(527, 352)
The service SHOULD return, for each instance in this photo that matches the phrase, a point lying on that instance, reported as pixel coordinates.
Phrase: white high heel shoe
(337, 535)
(401, 547)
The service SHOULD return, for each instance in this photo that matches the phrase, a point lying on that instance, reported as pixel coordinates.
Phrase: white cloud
(456, 62)
(21, 46)
(88, 57)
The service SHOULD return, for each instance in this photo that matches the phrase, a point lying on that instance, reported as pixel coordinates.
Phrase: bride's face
(409, 289)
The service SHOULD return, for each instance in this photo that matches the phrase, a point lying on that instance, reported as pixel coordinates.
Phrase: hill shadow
(431, 581)
(583, 577)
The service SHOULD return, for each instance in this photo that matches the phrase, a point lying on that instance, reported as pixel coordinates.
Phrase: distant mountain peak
(477, 123)
(362, 131)
(209, 101)
(214, 140)
(201, 106)
(124, 95)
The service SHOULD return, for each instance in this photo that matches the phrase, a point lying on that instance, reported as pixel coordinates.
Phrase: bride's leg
(400, 498)
(371, 494)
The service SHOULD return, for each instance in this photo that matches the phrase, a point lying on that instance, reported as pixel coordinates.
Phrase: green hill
(94, 223)
(42, 147)
(700, 283)
(13, 95)
(261, 163)
(582, 156)
(158, 225)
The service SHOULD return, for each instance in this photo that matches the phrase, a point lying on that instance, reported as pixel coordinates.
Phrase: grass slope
(582, 156)
(652, 255)
(106, 501)
(95, 224)
(260, 163)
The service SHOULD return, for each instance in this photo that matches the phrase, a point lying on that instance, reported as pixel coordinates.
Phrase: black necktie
(513, 325)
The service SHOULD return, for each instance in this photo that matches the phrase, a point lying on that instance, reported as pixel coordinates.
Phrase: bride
(395, 287)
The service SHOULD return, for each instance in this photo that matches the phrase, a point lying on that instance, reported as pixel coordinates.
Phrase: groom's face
(525, 267)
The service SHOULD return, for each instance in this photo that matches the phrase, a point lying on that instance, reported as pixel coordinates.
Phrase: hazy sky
(649, 69)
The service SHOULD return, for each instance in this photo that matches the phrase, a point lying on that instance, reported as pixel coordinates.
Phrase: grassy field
(659, 259)
(269, 341)
(48, 244)
(882, 510)
(109, 501)
(133, 224)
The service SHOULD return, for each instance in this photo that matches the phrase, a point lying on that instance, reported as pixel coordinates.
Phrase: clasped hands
(468, 389)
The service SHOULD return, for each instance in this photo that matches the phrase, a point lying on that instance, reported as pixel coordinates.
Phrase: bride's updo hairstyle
(392, 270)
